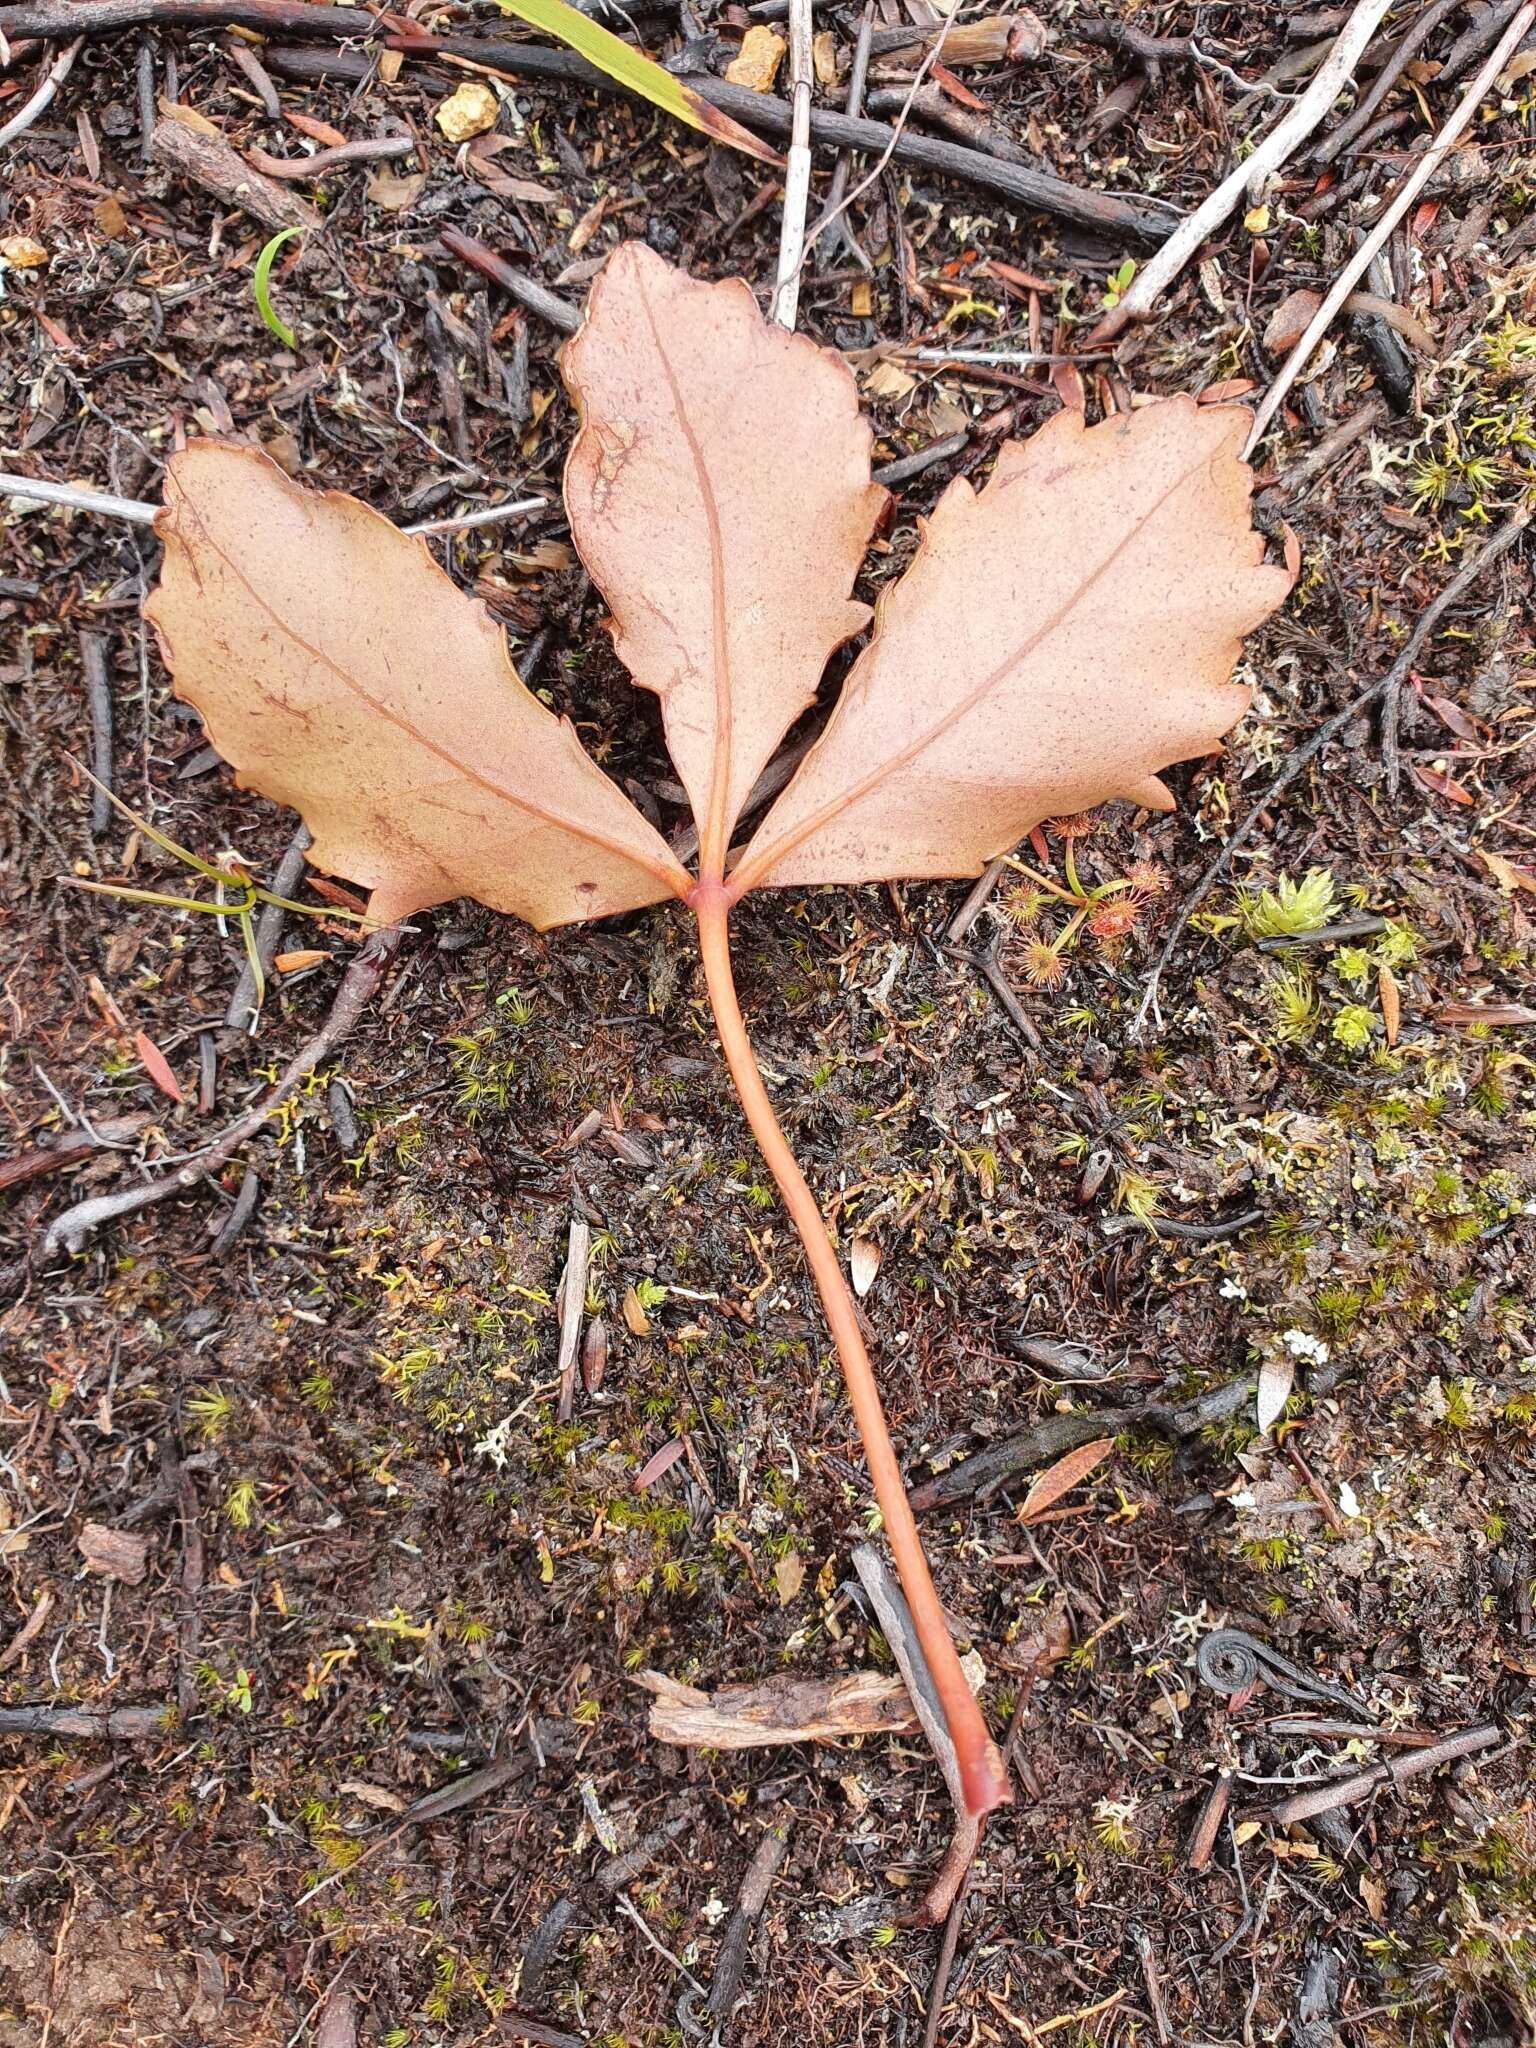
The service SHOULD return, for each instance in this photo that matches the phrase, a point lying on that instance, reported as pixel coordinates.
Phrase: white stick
(42, 99)
(43, 493)
(491, 516)
(797, 175)
(1333, 74)
(139, 513)
(1406, 193)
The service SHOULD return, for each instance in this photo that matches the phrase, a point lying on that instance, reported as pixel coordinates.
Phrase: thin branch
(490, 515)
(98, 695)
(244, 1008)
(1337, 1792)
(1130, 216)
(42, 99)
(366, 149)
(1404, 197)
(797, 176)
(1284, 138)
(526, 290)
(836, 211)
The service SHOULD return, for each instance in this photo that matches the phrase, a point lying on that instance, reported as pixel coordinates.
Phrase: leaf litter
(719, 492)
(1157, 1299)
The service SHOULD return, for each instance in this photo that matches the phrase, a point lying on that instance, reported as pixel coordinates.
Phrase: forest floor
(280, 1463)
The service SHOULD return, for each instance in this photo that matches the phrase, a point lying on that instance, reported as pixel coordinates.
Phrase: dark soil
(368, 1559)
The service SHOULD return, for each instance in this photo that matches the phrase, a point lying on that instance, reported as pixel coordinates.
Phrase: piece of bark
(750, 1902)
(29, 1631)
(123, 1724)
(1113, 215)
(114, 1553)
(779, 1710)
(210, 162)
(337, 2024)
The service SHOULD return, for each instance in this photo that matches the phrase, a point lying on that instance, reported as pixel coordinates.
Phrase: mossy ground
(393, 1533)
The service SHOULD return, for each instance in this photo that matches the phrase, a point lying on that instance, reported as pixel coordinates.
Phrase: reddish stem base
(982, 1774)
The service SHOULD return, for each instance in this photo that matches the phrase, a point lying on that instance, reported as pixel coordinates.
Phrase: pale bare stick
(44, 493)
(140, 513)
(797, 175)
(492, 515)
(1333, 74)
(1402, 199)
(359, 985)
(42, 99)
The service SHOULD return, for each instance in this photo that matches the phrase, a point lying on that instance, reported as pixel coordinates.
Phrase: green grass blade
(261, 286)
(253, 960)
(632, 68)
(181, 853)
(151, 896)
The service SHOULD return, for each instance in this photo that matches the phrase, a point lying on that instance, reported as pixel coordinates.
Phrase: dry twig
(797, 176)
(1284, 138)
(1402, 199)
(1350, 1791)
(98, 697)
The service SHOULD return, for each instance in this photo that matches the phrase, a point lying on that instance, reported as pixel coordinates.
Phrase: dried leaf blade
(339, 671)
(1060, 637)
(1060, 1478)
(719, 493)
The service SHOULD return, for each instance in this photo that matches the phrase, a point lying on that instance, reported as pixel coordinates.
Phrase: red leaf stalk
(981, 1766)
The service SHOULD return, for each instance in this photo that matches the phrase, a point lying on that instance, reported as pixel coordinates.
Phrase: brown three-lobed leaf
(1060, 636)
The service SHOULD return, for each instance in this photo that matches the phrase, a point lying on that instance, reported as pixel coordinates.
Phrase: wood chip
(781, 1709)
(756, 63)
(114, 1553)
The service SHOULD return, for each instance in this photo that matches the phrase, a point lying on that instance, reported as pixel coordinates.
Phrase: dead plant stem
(797, 178)
(1402, 199)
